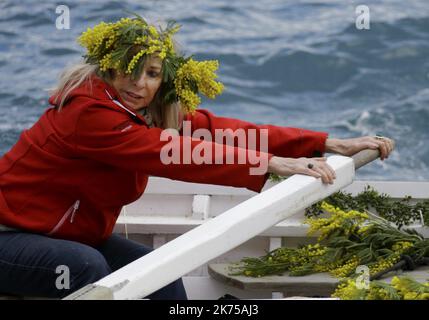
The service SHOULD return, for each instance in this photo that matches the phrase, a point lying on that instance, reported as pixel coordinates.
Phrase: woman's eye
(153, 74)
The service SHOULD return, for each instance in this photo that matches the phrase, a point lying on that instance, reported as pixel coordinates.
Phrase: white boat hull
(170, 208)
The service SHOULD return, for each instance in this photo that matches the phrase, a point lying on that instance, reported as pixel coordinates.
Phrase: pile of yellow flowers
(125, 45)
(400, 288)
(348, 222)
(347, 239)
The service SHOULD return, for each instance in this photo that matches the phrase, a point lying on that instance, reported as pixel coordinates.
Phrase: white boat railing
(172, 207)
(220, 234)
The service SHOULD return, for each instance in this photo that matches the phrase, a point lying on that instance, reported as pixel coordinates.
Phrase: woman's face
(139, 93)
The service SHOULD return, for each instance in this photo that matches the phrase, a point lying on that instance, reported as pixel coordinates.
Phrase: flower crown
(125, 45)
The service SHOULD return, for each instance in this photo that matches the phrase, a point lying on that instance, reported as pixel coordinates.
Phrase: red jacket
(69, 175)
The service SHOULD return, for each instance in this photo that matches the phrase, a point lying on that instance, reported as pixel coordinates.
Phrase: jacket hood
(94, 88)
(97, 89)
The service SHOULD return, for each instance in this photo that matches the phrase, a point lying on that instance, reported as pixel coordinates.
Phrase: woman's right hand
(289, 166)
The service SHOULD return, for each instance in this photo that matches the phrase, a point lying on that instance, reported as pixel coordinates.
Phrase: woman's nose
(141, 82)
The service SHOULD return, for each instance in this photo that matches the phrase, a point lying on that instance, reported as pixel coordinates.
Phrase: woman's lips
(133, 95)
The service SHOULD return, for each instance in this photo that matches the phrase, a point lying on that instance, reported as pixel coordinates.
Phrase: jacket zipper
(71, 211)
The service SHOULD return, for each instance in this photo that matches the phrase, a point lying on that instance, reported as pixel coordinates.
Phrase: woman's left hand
(349, 147)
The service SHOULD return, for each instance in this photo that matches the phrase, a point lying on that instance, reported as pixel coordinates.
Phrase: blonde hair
(164, 115)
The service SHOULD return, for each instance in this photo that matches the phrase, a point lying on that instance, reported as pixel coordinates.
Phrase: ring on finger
(310, 166)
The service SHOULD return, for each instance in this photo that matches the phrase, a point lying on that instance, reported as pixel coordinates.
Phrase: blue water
(290, 63)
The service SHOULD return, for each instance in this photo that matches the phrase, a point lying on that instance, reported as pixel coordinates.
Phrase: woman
(63, 184)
